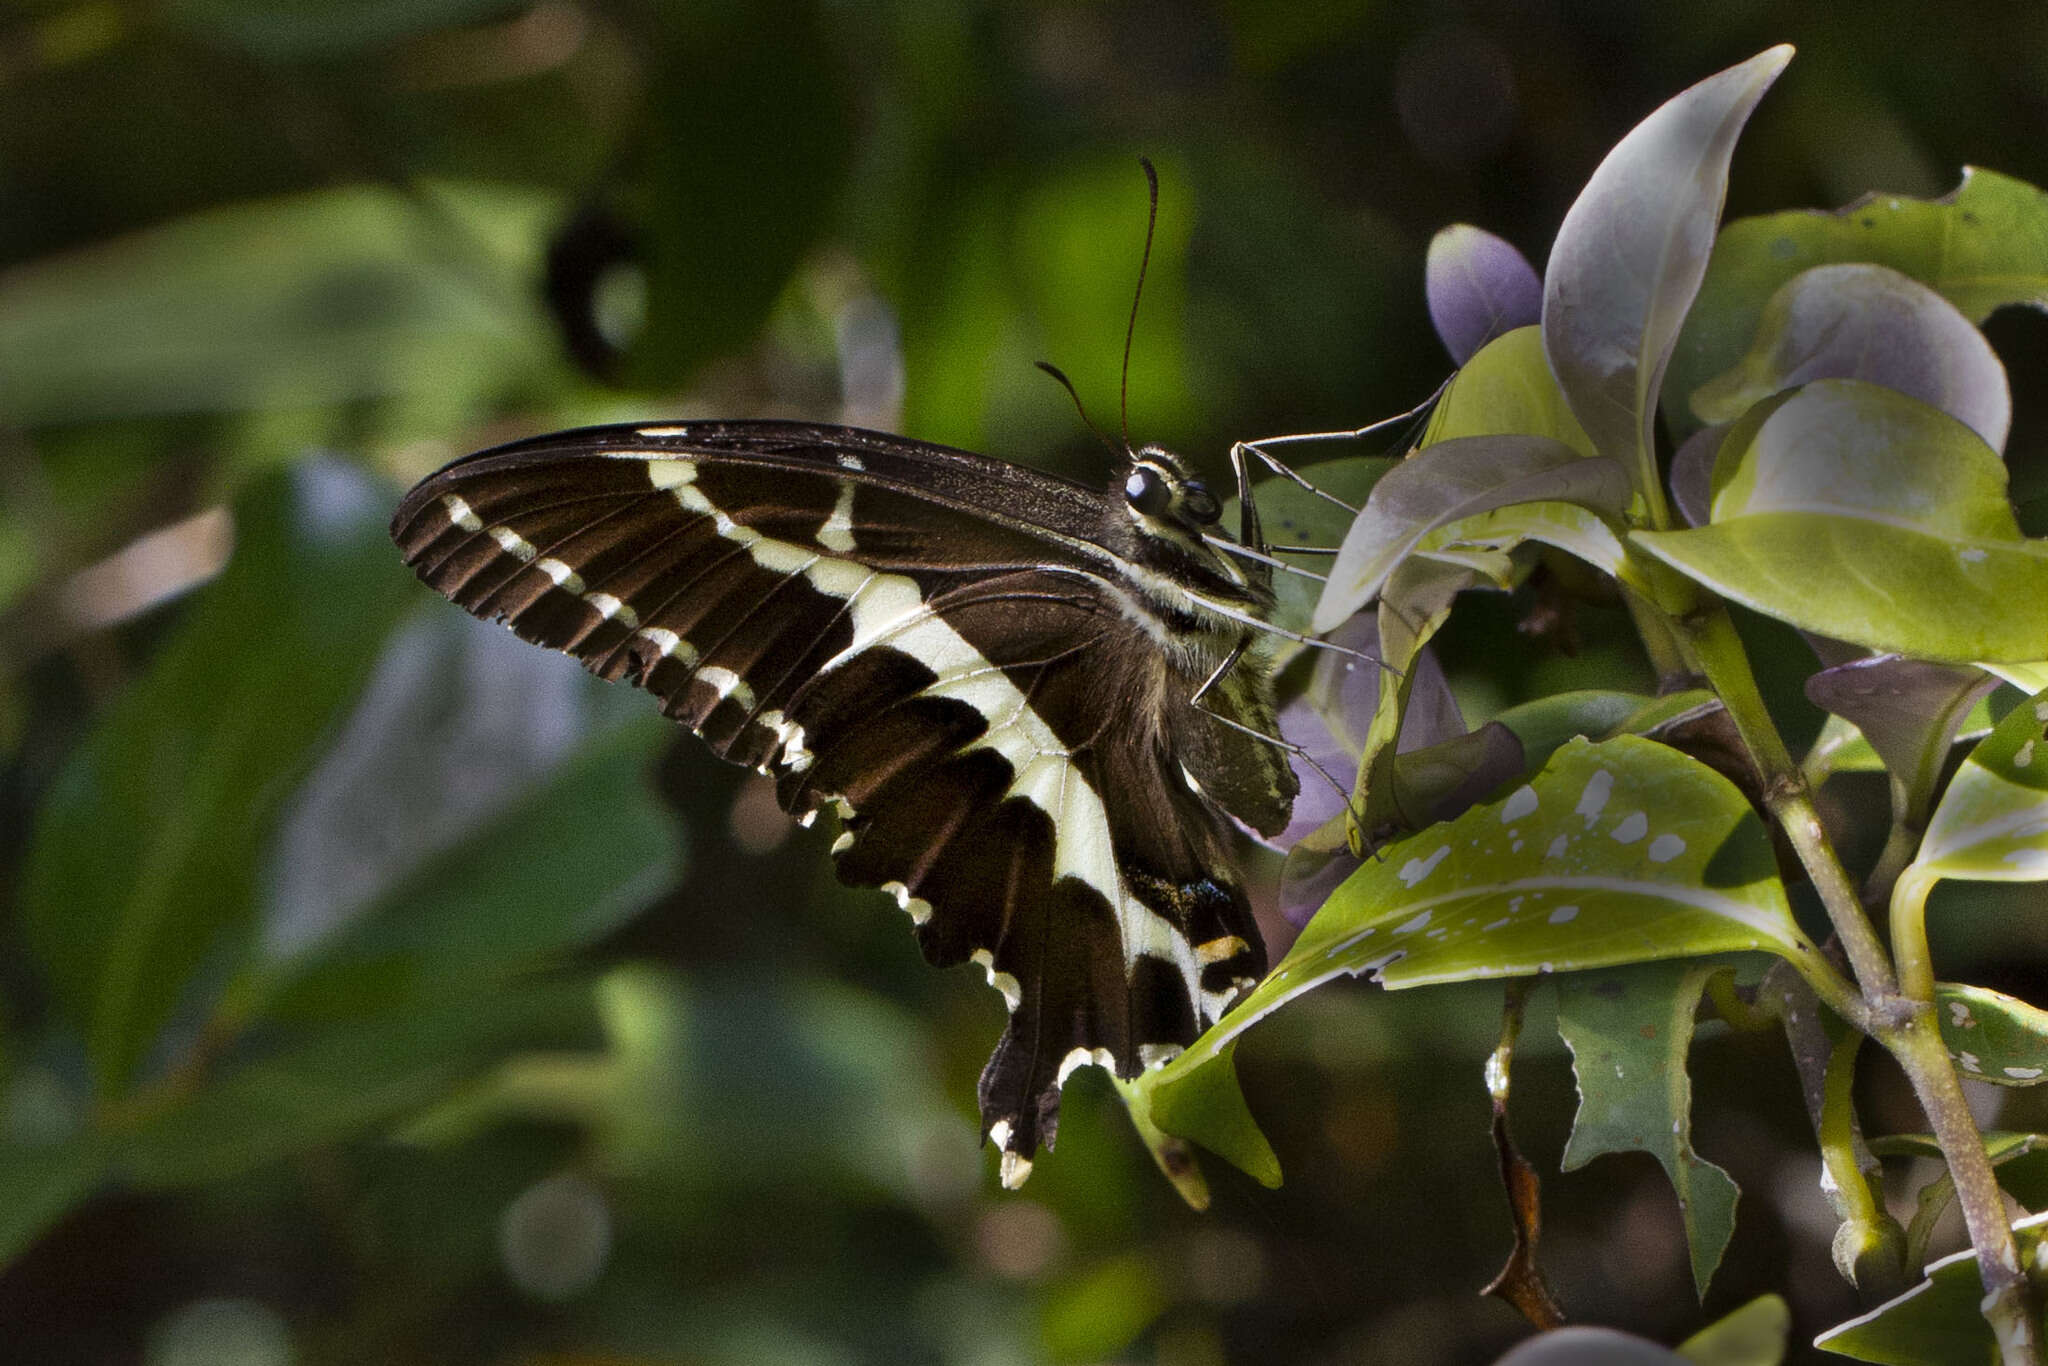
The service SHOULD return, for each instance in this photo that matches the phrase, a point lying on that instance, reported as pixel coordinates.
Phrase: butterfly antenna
(1079, 407)
(1131, 328)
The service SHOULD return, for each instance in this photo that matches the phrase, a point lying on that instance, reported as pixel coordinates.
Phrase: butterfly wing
(923, 640)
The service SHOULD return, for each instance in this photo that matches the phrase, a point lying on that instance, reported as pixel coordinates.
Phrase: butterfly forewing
(937, 647)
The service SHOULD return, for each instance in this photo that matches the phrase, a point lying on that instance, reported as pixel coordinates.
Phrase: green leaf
(1991, 1036)
(1446, 483)
(1753, 1335)
(1208, 1109)
(1938, 1321)
(768, 121)
(2020, 1160)
(1870, 323)
(1629, 1032)
(141, 865)
(1547, 722)
(412, 865)
(1852, 510)
(40, 1184)
(1506, 390)
(339, 1082)
(1631, 252)
(1992, 823)
(1619, 852)
(314, 299)
(1982, 247)
(313, 30)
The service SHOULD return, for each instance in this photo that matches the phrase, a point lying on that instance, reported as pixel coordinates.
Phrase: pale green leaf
(1753, 1335)
(1992, 823)
(1983, 246)
(1939, 1321)
(1862, 514)
(1208, 1109)
(1506, 389)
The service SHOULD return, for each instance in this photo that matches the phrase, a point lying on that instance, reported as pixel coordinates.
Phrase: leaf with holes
(1623, 851)
(1632, 250)
(1857, 512)
(1983, 246)
(1992, 822)
(1630, 1030)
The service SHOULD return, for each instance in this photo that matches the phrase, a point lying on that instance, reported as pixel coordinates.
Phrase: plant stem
(2008, 1298)
(1909, 935)
(1904, 1023)
(1788, 799)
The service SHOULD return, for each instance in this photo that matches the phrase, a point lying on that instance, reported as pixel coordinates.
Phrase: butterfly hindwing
(926, 642)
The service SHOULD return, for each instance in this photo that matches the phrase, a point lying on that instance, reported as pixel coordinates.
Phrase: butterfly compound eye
(1147, 491)
(1200, 505)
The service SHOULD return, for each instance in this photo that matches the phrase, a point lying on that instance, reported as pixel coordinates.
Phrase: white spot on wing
(1633, 827)
(1013, 991)
(461, 514)
(1563, 915)
(1417, 923)
(668, 474)
(512, 543)
(1665, 848)
(562, 574)
(1158, 1054)
(1083, 1057)
(837, 532)
(1519, 804)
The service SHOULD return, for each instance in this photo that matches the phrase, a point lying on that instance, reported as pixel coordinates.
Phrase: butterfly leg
(1283, 745)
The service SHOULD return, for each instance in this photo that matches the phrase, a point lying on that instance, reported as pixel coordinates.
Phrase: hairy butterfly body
(1031, 703)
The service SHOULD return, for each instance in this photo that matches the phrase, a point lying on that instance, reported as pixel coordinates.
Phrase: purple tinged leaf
(1867, 322)
(1908, 709)
(1631, 252)
(1692, 474)
(1452, 480)
(1479, 287)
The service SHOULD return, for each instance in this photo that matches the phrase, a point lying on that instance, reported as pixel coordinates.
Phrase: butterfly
(1036, 708)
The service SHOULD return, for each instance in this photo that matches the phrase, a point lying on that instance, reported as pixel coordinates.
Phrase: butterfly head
(1161, 497)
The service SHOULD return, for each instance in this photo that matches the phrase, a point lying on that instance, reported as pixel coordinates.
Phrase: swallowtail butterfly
(1035, 707)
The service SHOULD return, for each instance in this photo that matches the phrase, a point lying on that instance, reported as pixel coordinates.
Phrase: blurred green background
(376, 989)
